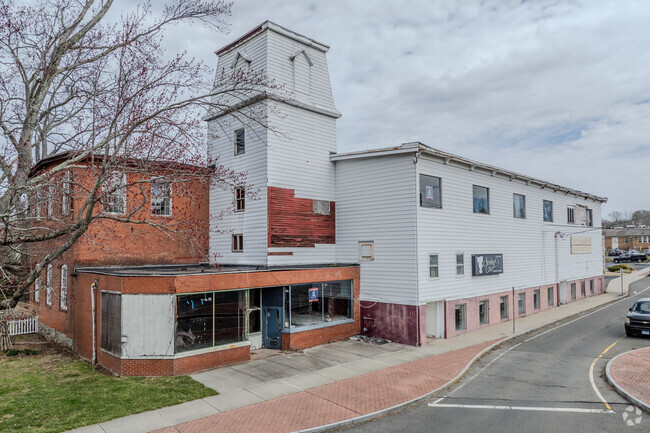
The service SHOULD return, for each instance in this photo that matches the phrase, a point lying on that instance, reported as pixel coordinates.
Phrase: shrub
(618, 267)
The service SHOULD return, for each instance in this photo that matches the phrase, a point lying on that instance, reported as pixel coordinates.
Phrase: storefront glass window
(194, 322)
(316, 303)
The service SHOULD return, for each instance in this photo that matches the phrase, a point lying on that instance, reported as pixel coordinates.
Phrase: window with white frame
(240, 142)
(63, 297)
(238, 243)
(570, 215)
(240, 199)
(115, 193)
(460, 264)
(66, 197)
(433, 265)
(461, 322)
(161, 197)
(518, 206)
(48, 285)
(37, 289)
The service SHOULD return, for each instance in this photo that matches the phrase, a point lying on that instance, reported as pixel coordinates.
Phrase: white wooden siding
(527, 245)
(150, 334)
(252, 223)
(376, 202)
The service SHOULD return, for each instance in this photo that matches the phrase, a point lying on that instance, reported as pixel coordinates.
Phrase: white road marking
(538, 409)
(436, 403)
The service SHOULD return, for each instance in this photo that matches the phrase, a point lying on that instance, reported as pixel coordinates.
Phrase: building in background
(626, 238)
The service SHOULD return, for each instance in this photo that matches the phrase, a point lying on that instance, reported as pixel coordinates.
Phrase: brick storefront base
(170, 366)
(316, 337)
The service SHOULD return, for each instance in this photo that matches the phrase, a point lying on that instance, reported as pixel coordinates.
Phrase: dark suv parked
(637, 321)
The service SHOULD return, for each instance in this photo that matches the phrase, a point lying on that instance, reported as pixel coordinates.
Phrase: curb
(395, 408)
(632, 399)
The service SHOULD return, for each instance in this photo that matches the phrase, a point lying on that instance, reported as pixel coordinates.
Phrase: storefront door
(271, 331)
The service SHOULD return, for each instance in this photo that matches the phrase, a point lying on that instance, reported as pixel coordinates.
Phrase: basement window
(460, 318)
(503, 307)
(483, 312)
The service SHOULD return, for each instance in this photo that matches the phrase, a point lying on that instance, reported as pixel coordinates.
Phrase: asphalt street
(548, 381)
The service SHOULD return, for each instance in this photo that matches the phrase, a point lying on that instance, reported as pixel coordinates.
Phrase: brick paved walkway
(631, 372)
(341, 400)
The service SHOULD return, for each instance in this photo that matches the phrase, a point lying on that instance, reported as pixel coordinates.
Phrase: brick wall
(315, 337)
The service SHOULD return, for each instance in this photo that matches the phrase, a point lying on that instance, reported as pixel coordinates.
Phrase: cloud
(553, 89)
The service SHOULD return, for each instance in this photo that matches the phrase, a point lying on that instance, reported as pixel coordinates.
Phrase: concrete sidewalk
(336, 382)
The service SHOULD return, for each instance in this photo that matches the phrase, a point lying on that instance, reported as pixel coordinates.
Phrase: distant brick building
(625, 238)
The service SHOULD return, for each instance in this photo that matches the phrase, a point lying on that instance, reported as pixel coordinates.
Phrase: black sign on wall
(487, 264)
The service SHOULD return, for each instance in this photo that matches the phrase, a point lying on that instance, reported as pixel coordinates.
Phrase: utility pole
(622, 282)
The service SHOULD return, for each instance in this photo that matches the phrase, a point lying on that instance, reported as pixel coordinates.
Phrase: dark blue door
(271, 332)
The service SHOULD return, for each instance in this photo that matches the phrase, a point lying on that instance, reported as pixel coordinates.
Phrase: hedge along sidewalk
(54, 392)
(614, 286)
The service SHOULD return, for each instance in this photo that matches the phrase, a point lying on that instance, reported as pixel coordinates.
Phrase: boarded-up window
(111, 323)
(321, 207)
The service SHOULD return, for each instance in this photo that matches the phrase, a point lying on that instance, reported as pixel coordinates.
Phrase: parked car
(637, 321)
(630, 257)
(613, 253)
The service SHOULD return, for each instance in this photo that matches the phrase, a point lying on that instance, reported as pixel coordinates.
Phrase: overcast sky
(558, 90)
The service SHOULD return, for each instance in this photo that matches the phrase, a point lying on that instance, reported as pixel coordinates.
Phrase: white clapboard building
(445, 244)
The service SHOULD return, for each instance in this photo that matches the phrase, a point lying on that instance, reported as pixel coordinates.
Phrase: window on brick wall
(536, 301)
(37, 289)
(549, 296)
(161, 197)
(522, 304)
(111, 323)
(51, 192)
(573, 291)
(591, 287)
(63, 296)
(583, 292)
(115, 193)
(48, 285)
(66, 198)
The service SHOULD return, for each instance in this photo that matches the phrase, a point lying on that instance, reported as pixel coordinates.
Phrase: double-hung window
(590, 217)
(161, 197)
(518, 206)
(240, 199)
(433, 266)
(238, 243)
(240, 142)
(48, 285)
(115, 193)
(63, 297)
(460, 264)
(481, 199)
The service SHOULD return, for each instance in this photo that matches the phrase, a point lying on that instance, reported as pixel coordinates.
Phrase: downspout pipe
(93, 287)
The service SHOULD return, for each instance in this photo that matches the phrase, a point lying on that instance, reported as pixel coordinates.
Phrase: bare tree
(70, 80)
